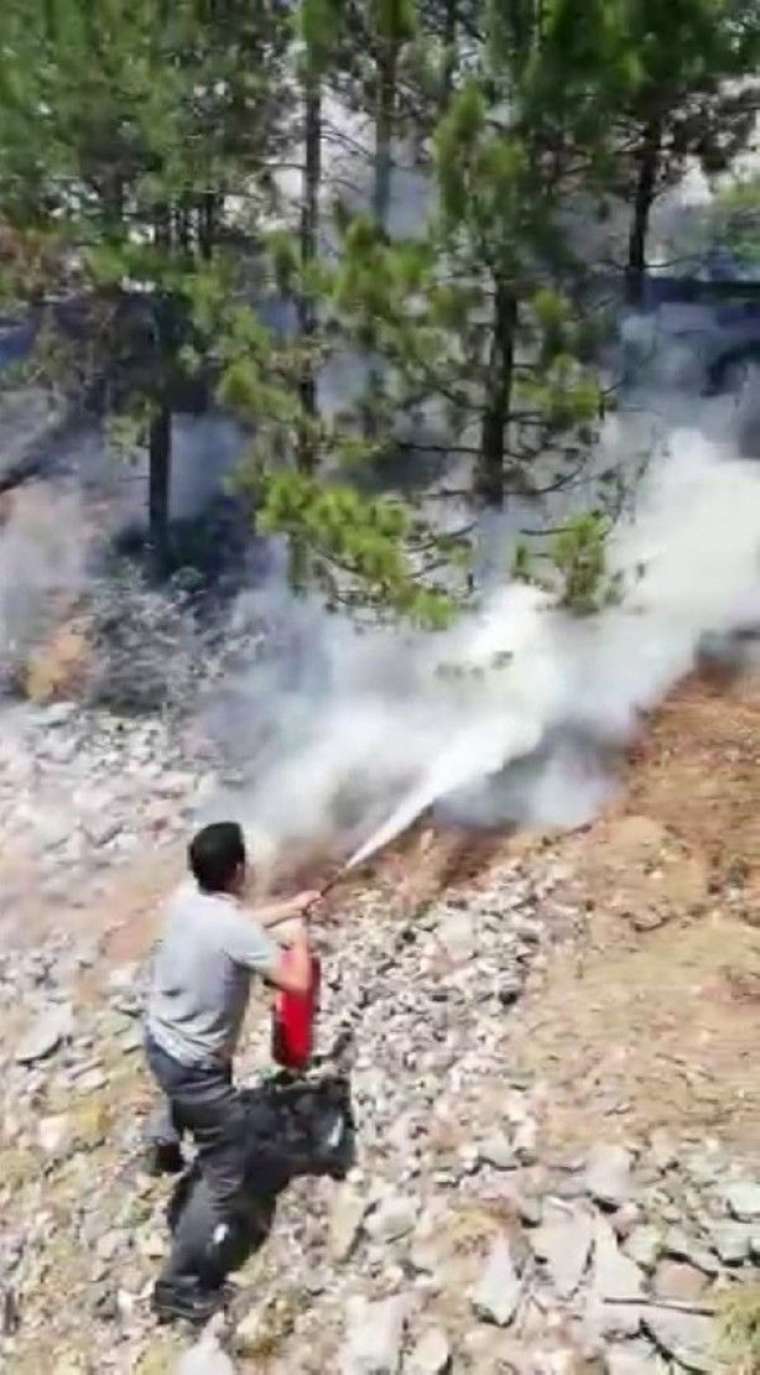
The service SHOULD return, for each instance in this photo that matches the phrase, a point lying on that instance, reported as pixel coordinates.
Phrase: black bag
(295, 1128)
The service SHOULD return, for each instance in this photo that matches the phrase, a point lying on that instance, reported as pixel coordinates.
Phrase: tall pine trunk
(382, 191)
(307, 319)
(450, 32)
(159, 483)
(306, 456)
(489, 476)
(646, 190)
(207, 215)
(384, 128)
(160, 435)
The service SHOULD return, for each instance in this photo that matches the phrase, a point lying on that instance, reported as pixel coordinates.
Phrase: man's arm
(292, 972)
(249, 945)
(273, 913)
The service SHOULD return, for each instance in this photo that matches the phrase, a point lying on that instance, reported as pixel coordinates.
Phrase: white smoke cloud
(367, 733)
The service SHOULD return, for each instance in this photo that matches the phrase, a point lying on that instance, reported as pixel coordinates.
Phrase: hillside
(550, 1042)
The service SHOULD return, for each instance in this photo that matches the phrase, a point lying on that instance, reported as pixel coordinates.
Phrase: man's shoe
(187, 1301)
(164, 1157)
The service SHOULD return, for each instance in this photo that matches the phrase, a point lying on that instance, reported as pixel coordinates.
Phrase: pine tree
(319, 30)
(131, 129)
(686, 89)
(361, 551)
(129, 141)
(459, 27)
(471, 333)
(473, 319)
(393, 26)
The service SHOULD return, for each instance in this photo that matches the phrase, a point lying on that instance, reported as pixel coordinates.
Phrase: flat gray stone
(394, 1218)
(54, 827)
(707, 1166)
(673, 1279)
(59, 713)
(346, 1216)
(687, 1338)
(615, 1275)
(206, 1357)
(112, 1242)
(608, 1175)
(92, 1081)
(431, 1355)
(732, 1242)
(626, 1219)
(51, 1028)
(457, 933)
(499, 1288)
(610, 1321)
(743, 1201)
(644, 1246)
(663, 1150)
(564, 1242)
(374, 1336)
(54, 1134)
(530, 1209)
(100, 827)
(632, 1358)
(131, 1039)
(497, 1150)
(679, 1245)
(525, 1141)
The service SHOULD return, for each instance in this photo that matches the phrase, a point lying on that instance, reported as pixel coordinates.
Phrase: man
(199, 994)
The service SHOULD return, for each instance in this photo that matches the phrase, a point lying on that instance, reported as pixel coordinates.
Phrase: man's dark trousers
(203, 1101)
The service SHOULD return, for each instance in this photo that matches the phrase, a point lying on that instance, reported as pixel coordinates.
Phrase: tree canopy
(172, 167)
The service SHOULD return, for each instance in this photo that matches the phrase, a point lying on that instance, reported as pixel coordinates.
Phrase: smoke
(43, 550)
(343, 738)
(338, 737)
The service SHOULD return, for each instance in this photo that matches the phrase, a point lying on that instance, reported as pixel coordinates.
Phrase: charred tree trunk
(489, 477)
(646, 190)
(159, 483)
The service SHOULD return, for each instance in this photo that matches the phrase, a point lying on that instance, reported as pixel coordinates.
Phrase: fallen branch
(701, 1309)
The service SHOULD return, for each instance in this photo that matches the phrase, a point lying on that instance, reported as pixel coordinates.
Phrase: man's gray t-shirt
(202, 976)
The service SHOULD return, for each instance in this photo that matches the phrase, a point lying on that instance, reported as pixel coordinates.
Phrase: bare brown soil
(655, 1018)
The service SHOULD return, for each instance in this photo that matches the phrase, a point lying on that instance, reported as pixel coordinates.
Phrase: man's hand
(304, 902)
(288, 908)
(293, 972)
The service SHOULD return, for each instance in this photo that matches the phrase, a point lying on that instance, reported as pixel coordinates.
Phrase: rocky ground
(550, 1043)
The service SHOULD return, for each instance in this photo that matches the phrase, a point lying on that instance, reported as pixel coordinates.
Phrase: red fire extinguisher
(293, 1021)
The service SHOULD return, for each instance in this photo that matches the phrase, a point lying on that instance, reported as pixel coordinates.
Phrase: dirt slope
(640, 1010)
(651, 1015)
(654, 1016)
